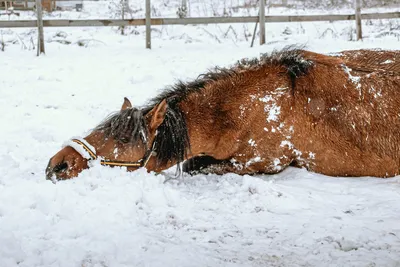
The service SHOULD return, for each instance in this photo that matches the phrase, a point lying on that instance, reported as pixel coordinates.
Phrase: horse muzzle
(50, 173)
(66, 164)
(53, 173)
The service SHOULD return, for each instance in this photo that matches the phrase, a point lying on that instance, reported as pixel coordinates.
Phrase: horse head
(124, 139)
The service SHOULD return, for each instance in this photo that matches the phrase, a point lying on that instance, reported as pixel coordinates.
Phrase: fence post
(357, 5)
(148, 25)
(40, 45)
(262, 22)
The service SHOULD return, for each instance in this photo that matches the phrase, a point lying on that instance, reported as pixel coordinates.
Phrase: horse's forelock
(127, 125)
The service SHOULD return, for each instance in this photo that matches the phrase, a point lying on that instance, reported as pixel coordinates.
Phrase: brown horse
(336, 114)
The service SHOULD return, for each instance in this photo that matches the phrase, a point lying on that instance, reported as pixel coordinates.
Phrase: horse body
(351, 116)
(333, 120)
(337, 115)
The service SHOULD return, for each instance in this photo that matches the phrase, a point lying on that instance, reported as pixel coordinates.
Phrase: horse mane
(172, 141)
(292, 58)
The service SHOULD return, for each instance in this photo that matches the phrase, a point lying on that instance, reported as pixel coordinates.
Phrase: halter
(91, 155)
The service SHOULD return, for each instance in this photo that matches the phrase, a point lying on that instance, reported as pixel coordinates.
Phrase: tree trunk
(148, 25)
(262, 22)
(123, 7)
(357, 4)
(40, 48)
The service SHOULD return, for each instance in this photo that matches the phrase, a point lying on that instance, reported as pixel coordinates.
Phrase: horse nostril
(60, 167)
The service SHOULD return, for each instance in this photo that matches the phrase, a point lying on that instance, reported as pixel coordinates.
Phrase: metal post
(358, 19)
(148, 25)
(262, 22)
(40, 46)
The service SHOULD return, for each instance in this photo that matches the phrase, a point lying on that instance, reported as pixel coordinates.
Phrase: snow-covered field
(108, 217)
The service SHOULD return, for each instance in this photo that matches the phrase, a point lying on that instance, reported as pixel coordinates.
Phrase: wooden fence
(187, 21)
(148, 21)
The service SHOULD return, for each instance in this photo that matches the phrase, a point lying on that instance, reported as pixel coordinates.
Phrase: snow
(252, 143)
(253, 160)
(79, 148)
(354, 79)
(109, 217)
(287, 143)
(271, 108)
(388, 61)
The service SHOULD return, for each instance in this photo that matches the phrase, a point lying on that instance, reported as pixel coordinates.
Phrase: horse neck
(213, 114)
(200, 121)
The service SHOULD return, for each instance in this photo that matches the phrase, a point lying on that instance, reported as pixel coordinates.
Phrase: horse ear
(127, 104)
(156, 115)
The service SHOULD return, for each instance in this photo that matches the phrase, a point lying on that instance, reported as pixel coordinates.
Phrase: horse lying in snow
(336, 114)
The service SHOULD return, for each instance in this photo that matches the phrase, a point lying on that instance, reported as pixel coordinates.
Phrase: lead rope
(178, 175)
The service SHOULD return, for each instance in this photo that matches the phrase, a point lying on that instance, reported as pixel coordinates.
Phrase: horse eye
(124, 140)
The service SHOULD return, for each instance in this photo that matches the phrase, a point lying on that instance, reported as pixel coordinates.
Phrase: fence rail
(186, 21)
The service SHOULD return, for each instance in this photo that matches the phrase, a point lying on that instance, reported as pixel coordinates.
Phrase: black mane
(172, 141)
(290, 57)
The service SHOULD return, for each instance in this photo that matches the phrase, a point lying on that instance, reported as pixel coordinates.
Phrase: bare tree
(40, 46)
(2, 44)
(121, 9)
(357, 4)
(182, 10)
(148, 25)
(262, 22)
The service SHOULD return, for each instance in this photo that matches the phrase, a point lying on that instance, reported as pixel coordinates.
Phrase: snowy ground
(108, 217)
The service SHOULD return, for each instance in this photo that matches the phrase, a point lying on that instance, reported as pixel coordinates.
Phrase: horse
(335, 114)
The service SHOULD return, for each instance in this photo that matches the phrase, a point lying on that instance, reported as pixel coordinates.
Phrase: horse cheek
(77, 166)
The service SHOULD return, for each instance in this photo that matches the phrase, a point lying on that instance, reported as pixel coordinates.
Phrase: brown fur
(340, 117)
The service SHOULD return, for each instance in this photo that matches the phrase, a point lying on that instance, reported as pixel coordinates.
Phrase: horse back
(371, 60)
